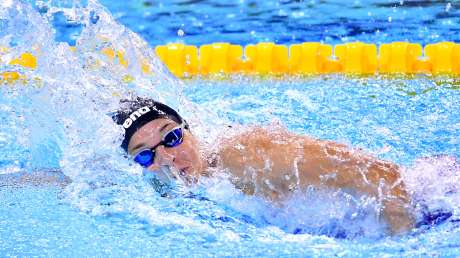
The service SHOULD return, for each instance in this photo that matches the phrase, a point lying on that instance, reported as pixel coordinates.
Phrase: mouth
(186, 174)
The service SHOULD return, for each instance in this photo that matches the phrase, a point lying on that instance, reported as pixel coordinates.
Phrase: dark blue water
(289, 21)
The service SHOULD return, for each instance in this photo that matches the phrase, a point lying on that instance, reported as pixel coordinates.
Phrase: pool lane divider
(311, 58)
(267, 58)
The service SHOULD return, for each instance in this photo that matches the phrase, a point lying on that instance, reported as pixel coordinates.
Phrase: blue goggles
(171, 139)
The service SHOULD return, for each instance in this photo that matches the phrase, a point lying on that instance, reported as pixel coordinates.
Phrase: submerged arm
(43, 177)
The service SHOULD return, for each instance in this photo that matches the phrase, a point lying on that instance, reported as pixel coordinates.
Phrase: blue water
(57, 121)
(399, 119)
(287, 22)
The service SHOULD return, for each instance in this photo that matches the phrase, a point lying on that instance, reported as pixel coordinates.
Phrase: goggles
(171, 138)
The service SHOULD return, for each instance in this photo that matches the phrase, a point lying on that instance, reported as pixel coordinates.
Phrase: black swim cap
(135, 113)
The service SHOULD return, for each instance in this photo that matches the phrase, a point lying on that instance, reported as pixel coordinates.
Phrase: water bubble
(297, 14)
(282, 13)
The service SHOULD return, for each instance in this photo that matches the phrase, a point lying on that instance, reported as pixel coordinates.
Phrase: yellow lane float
(311, 58)
(268, 58)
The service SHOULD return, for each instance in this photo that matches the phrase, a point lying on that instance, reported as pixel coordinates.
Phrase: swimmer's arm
(39, 177)
(335, 165)
(262, 161)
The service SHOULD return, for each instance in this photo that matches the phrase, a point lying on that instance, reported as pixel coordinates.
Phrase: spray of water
(58, 116)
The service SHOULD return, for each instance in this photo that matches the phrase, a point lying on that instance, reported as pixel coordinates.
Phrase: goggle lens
(145, 158)
(173, 138)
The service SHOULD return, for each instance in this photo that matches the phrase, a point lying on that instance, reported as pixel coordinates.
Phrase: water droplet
(93, 17)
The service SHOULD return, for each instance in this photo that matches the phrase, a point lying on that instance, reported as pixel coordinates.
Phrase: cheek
(189, 151)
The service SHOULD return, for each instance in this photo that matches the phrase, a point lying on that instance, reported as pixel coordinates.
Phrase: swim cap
(135, 113)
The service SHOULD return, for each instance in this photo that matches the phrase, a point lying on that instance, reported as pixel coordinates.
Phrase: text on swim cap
(134, 116)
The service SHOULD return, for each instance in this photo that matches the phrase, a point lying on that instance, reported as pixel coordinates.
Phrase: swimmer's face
(185, 157)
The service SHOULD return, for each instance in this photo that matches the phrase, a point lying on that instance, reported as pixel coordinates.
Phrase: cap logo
(134, 116)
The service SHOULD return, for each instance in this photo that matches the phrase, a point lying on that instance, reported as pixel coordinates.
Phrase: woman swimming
(270, 162)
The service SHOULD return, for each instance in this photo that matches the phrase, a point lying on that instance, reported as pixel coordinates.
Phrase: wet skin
(185, 157)
(274, 163)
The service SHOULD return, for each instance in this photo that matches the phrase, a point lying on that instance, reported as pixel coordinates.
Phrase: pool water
(286, 22)
(57, 124)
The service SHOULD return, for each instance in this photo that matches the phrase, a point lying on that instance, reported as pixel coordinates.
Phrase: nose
(163, 157)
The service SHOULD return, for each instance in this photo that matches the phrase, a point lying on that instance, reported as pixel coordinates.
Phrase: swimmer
(270, 162)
